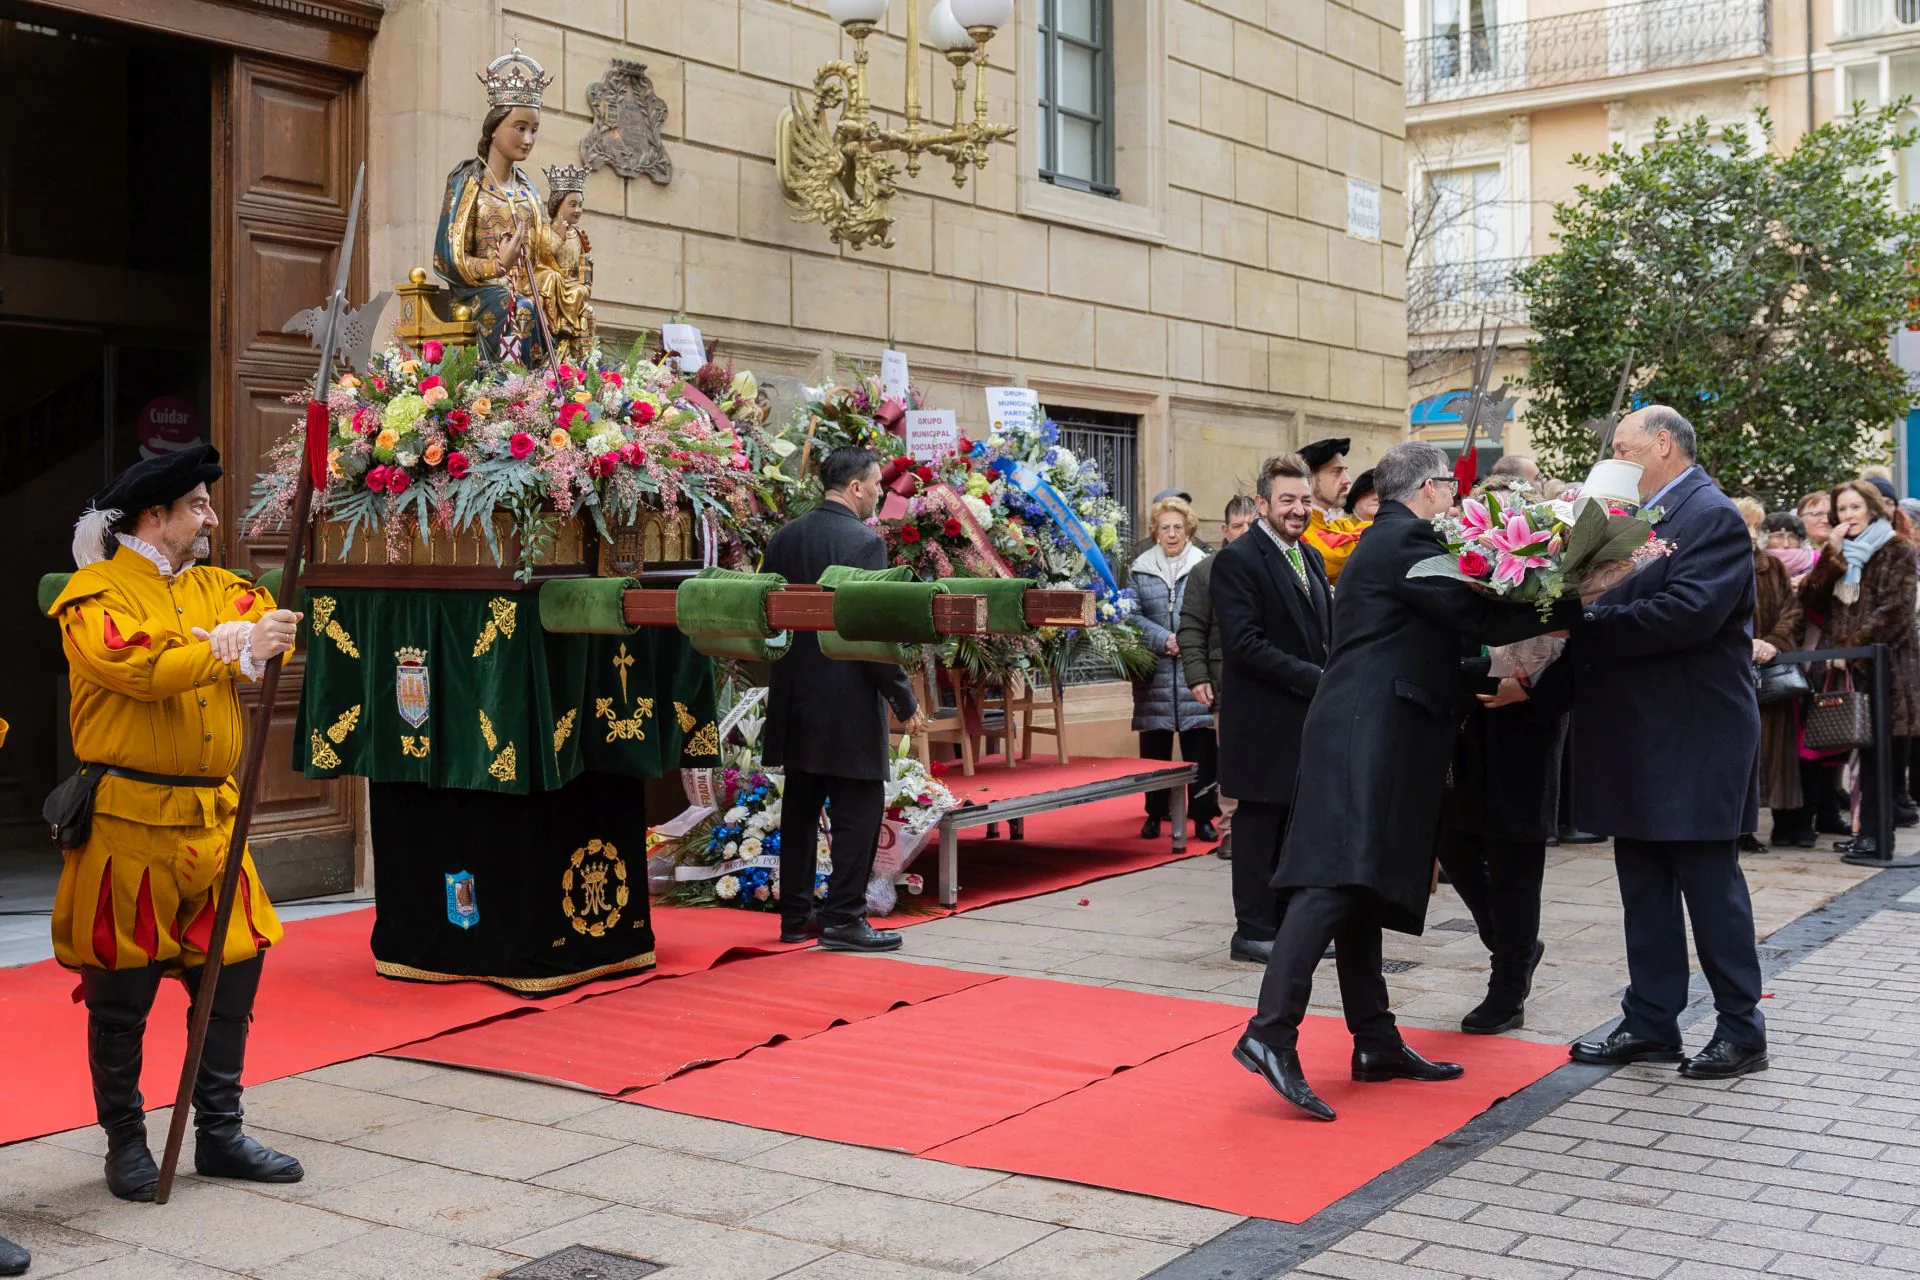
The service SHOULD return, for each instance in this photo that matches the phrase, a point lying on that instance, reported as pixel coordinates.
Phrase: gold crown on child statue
(514, 80)
(567, 177)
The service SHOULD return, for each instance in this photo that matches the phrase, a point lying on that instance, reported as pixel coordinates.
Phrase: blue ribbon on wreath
(1035, 486)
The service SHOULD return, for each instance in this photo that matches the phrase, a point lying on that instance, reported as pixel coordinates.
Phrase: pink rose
(632, 454)
(432, 351)
(457, 421)
(614, 377)
(430, 382)
(377, 479)
(571, 414)
(643, 412)
(398, 481)
(1474, 565)
(739, 462)
(521, 445)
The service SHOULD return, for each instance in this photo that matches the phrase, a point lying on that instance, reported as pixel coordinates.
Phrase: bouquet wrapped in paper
(1533, 552)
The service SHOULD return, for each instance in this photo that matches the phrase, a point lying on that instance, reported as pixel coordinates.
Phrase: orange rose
(433, 455)
(482, 407)
(560, 440)
(387, 439)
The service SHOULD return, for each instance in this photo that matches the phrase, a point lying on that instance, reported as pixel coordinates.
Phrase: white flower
(981, 511)
(727, 887)
(735, 815)
(750, 847)
(733, 848)
(406, 457)
(1064, 459)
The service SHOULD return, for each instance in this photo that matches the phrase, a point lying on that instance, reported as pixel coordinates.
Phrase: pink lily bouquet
(1531, 552)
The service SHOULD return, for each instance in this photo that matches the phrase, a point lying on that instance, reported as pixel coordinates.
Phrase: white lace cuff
(250, 667)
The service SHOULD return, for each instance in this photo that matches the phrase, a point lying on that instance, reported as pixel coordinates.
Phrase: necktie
(1299, 565)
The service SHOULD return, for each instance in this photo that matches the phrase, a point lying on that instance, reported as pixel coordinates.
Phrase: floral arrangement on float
(1518, 548)
(439, 439)
(725, 849)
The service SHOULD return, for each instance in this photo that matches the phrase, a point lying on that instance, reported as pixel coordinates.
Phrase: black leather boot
(220, 1149)
(14, 1260)
(118, 1001)
(1505, 1008)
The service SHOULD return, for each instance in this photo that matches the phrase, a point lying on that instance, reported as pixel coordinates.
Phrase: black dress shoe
(1206, 831)
(1620, 1048)
(1377, 1066)
(1224, 850)
(802, 932)
(1723, 1060)
(14, 1260)
(1906, 817)
(1750, 843)
(1150, 829)
(1281, 1069)
(1574, 835)
(1251, 949)
(1858, 847)
(859, 936)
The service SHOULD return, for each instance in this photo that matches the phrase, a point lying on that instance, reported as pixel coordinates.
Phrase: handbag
(1839, 719)
(69, 807)
(1780, 682)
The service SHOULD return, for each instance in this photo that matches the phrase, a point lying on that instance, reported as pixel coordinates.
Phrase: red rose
(632, 454)
(457, 465)
(364, 420)
(604, 464)
(398, 481)
(377, 479)
(643, 412)
(432, 352)
(954, 528)
(925, 473)
(1474, 565)
(430, 382)
(614, 377)
(570, 413)
(966, 446)
(521, 445)
(457, 421)
(569, 374)
(909, 533)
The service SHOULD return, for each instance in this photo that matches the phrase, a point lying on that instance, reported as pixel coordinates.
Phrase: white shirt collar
(148, 550)
(1279, 541)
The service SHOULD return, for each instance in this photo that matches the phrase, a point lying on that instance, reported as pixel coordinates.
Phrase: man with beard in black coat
(1365, 825)
(827, 722)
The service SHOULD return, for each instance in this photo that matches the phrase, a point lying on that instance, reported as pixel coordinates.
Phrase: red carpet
(1219, 1137)
(320, 1003)
(969, 1060)
(636, 1037)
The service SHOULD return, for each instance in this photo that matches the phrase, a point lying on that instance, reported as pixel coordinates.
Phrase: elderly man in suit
(1365, 825)
(827, 722)
(1274, 610)
(1666, 736)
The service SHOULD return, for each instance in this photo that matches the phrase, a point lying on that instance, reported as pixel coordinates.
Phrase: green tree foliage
(1755, 293)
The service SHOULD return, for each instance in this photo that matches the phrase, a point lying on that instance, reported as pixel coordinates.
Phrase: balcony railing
(1594, 44)
(1454, 296)
(1860, 19)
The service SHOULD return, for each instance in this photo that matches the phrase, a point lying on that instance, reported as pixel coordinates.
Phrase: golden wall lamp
(838, 172)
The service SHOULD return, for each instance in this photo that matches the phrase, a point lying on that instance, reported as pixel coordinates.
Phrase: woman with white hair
(1164, 708)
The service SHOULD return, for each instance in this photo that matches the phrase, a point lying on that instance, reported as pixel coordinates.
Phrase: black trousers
(1315, 917)
(1663, 884)
(1499, 880)
(1259, 829)
(1198, 747)
(854, 807)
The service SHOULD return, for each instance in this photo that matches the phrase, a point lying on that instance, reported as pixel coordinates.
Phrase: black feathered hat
(150, 482)
(1321, 452)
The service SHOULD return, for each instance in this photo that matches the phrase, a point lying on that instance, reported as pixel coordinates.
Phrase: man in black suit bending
(1365, 825)
(827, 722)
(1274, 611)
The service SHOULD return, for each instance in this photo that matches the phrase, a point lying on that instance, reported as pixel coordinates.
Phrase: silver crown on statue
(567, 177)
(514, 80)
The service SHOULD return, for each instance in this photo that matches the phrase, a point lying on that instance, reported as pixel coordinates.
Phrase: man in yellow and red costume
(157, 650)
(1330, 530)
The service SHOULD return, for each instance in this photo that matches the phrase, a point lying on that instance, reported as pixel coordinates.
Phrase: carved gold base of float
(656, 541)
(428, 313)
(444, 558)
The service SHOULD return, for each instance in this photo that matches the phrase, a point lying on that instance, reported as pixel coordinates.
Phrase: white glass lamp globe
(846, 12)
(945, 31)
(983, 13)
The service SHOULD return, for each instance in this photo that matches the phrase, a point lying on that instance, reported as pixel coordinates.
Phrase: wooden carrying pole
(253, 755)
(810, 608)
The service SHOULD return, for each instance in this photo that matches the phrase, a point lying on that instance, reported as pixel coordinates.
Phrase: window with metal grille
(1076, 94)
(1111, 442)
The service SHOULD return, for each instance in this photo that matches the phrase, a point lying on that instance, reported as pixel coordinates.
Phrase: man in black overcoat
(827, 722)
(1365, 827)
(1274, 611)
(1666, 741)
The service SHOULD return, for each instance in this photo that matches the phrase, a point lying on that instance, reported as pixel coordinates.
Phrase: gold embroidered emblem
(687, 720)
(325, 624)
(486, 731)
(506, 765)
(633, 727)
(621, 662)
(504, 613)
(349, 720)
(594, 889)
(321, 755)
(704, 743)
(415, 747)
(564, 729)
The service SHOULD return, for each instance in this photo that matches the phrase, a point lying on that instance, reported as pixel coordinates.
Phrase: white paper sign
(932, 434)
(683, 341)
(1010, 408)
(893, 374)
(1363, 210)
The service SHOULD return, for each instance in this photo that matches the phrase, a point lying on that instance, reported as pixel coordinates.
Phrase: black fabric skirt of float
(535, 893)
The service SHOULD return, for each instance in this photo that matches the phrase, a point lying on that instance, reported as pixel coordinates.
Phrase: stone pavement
(1809, 1170)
